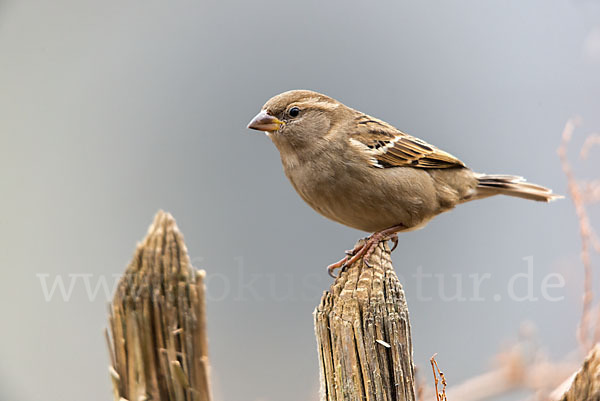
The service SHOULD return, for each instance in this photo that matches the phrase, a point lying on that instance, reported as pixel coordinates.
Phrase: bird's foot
(372, 243)
(364, 249)
(346, 260)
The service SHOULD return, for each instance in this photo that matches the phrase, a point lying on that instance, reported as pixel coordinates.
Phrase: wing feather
(387, 147)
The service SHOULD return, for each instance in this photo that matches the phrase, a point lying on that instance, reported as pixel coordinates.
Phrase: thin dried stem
(586, 234)
(590, 141)
(440, 395)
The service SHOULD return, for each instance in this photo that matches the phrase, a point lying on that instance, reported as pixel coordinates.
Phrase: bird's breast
(360, 196)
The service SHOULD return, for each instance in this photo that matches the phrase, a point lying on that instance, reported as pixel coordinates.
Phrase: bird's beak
(265, 122)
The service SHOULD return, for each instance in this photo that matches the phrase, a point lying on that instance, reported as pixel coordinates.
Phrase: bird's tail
(512, 185)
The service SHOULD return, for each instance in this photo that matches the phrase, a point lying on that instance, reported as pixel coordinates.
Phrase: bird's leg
(376, 238)
(366, 248)
(357, 247)
(357, 252)
(370, 246)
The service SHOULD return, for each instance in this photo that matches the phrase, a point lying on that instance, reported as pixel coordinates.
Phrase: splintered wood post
(157, 341)
(363, 335)
(586, 383)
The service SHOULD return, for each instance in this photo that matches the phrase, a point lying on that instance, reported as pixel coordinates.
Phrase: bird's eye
(294, 111)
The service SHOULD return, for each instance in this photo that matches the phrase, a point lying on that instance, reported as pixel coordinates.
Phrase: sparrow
(364, 173)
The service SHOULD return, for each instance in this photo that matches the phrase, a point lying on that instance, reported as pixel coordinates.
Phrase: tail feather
(512, 185)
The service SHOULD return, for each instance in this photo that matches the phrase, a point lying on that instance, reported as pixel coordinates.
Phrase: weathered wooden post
(157, 342)
(363, 335)
(586, 382)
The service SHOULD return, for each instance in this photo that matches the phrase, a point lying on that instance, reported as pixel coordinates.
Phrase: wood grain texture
(157, 342)
(586, 384)
(363, 335)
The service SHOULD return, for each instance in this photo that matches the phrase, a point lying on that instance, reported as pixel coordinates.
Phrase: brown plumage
(362, 172)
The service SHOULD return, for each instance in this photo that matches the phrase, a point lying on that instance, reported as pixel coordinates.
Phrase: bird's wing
(386, 147)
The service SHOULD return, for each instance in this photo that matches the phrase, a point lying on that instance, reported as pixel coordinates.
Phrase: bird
(364, 173)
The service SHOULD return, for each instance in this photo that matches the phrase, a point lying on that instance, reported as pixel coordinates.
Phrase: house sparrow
(362, 172)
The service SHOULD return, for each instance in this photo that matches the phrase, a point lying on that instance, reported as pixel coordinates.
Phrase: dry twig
(439, 395)
(586, 233)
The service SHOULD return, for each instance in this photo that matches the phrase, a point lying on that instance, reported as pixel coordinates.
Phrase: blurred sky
(110, 110)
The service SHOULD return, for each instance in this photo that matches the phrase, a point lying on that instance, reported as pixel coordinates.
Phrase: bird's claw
(331, 271)
(394, 239)
(340, 264)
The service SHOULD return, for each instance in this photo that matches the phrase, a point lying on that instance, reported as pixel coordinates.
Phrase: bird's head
(298, 119)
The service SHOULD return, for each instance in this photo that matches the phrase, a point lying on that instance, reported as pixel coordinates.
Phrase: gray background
(110, 110)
